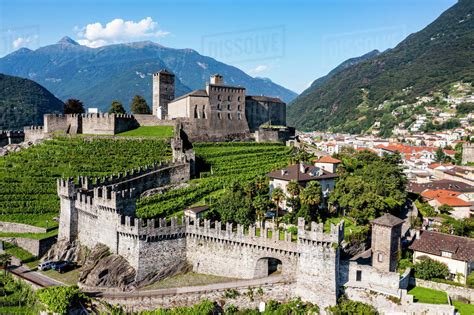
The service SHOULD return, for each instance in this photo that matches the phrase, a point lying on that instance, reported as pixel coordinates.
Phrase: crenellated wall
(99, 124)
(34, 133)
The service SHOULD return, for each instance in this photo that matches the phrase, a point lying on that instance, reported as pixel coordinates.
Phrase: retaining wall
(454, 291)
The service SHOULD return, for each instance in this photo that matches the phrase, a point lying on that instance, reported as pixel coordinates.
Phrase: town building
(455, 251)
(302, 174)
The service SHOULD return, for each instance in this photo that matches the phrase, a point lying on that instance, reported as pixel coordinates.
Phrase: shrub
(428, 269)
(60, 299)
(470, 280)
(345, 306)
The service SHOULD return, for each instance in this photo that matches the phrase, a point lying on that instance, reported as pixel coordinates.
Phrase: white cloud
(259, 69)
(118, 31)
(24, 41)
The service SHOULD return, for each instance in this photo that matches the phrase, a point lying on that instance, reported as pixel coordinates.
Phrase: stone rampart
(37, 247)
(34, 133)
(20, 228)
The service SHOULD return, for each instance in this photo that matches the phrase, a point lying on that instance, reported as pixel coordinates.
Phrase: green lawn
(463, 308)
(18, 252)
(425, 295)
(36, 236)
(69, 278)
(39, 220)
(149, 131)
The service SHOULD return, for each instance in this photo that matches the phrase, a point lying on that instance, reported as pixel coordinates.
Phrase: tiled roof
(388, 220)
(444, 184)
(446, 197)
(430, 242)
(294, 172)
(199, 93)
(327, 159)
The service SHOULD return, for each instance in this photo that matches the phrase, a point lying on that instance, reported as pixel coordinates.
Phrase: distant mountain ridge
(343, 66)
(24, 102)
(99, 75)
(425, 62)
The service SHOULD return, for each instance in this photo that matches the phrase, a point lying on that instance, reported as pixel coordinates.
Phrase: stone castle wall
(467, 153)
(101, 124)
(34, 133)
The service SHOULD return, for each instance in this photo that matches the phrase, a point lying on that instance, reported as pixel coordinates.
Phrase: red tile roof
(430, 242)
(446, 197)
(327, 159)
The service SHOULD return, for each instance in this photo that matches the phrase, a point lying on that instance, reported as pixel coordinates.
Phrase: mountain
(24, 102)
(99, 75)
(343, 66)
(425, 62)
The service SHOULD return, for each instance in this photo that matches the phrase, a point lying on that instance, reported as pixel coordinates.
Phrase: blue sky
(291, 42)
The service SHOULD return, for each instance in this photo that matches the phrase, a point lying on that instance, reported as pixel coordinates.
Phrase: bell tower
(163, 92)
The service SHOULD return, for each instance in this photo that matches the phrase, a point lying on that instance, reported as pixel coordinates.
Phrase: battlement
(150, 230)
(38, 128)
(316, 233)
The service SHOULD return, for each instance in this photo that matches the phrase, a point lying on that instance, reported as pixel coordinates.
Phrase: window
(204, 111)
(219, 97)
(229, 107)
(239, 117)
(229, 116)
(196, 115)
(380, 257)
(219, 115)
(239, 98)
(218, 106)
(446, 254)
(229, 98)
(359, 275)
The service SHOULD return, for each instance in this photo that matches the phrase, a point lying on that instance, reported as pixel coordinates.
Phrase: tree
(311, 196)
(439, 155)
(278, 196)
(5, 261)
(428, 269)
(116, 108)
(73, 106)
(261, 204)
(345, 306)
(293, 188)
(139, 105)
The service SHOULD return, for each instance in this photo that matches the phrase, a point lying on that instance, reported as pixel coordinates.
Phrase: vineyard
(28, 178)
(223, 163)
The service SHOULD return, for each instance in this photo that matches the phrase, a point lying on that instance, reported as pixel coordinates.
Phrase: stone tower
(68, 222)
(163, 92)
(386, 234)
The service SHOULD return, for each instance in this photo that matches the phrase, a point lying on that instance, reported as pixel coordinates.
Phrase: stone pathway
(203, 288)
(34, 277)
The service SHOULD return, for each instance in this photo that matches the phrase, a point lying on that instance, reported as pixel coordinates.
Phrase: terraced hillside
(223, 163)
(28, 178)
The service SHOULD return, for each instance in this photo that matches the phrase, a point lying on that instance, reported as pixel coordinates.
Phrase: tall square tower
(163, 93)
(386, 234)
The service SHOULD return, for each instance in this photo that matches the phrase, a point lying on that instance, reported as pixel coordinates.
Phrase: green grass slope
(28, 178)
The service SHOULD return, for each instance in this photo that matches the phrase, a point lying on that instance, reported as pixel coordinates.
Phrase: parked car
(46, 265)
(57, 264)
(65, 267)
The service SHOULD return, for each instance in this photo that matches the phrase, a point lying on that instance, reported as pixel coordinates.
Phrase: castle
(103, 211)
(218, 113)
